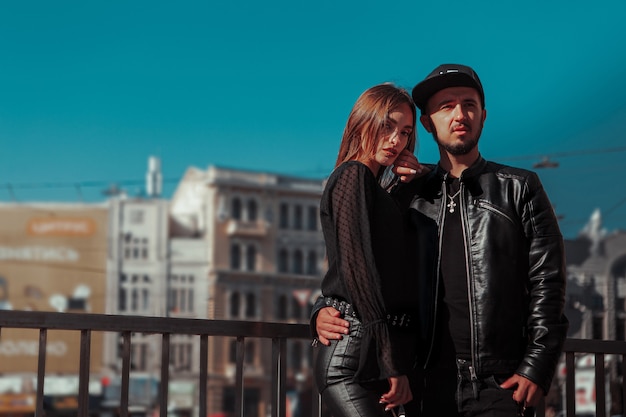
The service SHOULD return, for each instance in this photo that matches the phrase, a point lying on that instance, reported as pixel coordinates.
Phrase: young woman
(369, 281)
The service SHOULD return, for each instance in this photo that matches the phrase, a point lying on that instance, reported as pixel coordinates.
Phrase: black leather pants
(334, 374)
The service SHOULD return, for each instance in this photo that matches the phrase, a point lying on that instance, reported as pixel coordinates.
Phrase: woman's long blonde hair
(367, 121)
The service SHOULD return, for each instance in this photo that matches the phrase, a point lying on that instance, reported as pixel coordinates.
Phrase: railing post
(570, 385)
(600, 385)
(165, 374)
(83, 376)
(239, 377)
(204, 365)
(279, 375)
(623, 384)
(125, 374)
(41, 371)
(316, 401)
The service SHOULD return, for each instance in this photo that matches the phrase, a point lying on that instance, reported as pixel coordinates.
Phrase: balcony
(84, 325)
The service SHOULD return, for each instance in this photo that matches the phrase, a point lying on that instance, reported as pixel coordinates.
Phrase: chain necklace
(451, 205)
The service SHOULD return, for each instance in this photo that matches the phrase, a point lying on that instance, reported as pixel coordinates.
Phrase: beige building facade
(52, 258)
(266, 260)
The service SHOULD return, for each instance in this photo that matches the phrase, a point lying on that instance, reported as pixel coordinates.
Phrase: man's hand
(399, 392)
(407, 167)
(330, 326)
(526, 391)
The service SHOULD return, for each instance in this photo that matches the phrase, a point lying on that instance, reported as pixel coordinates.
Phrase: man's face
(455, 117)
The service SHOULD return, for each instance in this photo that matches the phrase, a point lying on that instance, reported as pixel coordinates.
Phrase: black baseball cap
(444, 76)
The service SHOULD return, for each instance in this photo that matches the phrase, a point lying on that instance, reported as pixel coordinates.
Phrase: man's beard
(462, 148)
(459, 149)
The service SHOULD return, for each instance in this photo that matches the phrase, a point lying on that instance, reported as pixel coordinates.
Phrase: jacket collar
(471, 172)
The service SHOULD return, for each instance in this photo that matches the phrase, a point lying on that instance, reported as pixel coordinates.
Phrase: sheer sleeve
(352, 202)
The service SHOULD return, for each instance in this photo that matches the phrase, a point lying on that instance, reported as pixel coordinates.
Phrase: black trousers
(450, 391)
(335, 368)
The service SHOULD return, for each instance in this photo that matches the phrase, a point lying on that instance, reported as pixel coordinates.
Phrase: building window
(180, 293)
(298, 262)
(283, 216)
(296, 309)
(251, 258)
(234, 304)
(134, 298)
(250, 305)
(312, 219)
(252, 210)
(236, 209)
(121, 299)
(135, 248)
(144, 248)
(296, 355)
(283, 261)
(172, 299)
(190, 295)
(597, 327)
(136, 217)
(250, 352)
(620, 333)
(235, 257)
(139, 356)
(134, 293)
(145, 299)
(311, 263)
(297, 218)
(281, 312)
(232, 352)
(180, 354)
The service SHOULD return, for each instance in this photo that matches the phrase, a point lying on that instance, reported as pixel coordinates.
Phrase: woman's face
(393, 139)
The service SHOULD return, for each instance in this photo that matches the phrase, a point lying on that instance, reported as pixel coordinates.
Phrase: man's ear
(425, 121)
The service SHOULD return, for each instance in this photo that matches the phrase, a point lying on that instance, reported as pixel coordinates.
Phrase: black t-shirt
(454, 317)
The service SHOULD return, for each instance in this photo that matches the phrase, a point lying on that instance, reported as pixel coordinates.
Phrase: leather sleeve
(547, 325)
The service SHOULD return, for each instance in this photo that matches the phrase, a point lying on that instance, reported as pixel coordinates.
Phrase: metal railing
(599, 348)
(126, 325)
(279, 333)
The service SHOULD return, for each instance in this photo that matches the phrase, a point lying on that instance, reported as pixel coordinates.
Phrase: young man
(492, 265)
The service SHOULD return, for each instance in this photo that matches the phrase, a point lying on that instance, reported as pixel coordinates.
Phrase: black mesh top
(368, 266)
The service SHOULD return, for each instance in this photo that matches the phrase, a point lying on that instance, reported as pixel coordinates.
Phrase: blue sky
(90, 89)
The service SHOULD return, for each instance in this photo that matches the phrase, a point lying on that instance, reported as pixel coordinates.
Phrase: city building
(153, 269)
(596, 307)
(52, 258)
(596, 282)
(230, 244)
(266, 259)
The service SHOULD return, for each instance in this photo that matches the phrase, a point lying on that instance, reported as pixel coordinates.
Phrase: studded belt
(346, 309)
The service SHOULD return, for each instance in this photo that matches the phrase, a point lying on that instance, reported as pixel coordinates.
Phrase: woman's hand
(407, 167)
(399, 392)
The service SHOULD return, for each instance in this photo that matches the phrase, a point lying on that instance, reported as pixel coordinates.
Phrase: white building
(230, 244)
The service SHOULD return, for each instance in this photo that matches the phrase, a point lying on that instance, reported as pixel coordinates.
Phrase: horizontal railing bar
(594, 346)
(141, 324)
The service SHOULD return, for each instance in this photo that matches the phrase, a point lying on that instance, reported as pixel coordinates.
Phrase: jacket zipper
(493, 209)
(470, 291)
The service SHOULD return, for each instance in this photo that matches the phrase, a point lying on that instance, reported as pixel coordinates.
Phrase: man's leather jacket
(515, 266)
